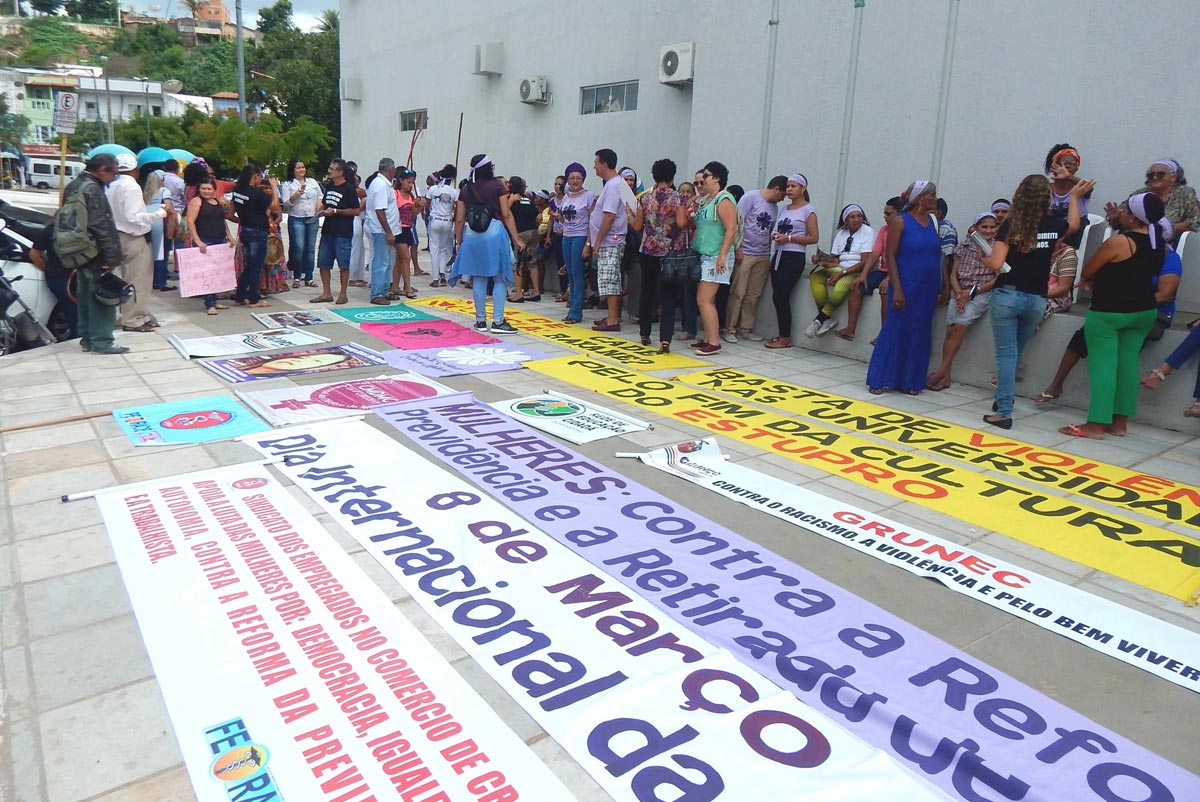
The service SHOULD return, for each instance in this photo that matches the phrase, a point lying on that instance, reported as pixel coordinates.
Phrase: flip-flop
(321, 299)
(875, 390)
(1045, 398)
(212, 310)
(220, 306)
(1114, 433)
(1075, 430)
(937, 388)
(341, 301)
(260, 305)
(847, 337)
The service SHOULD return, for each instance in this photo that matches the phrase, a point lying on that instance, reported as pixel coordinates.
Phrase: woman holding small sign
(206, 226)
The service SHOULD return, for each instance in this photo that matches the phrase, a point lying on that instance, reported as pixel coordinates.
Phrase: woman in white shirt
(831, 283)
(300, 197)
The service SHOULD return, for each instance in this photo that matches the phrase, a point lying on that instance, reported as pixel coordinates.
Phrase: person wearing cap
(1021, 256)
(607, 227)
(1121, 276)
(970, 286)
(574, 210)
(795, 229)
(94, 321)
(900, 360)
(133, 224)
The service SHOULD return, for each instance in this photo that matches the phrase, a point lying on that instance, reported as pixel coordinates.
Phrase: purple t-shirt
(574, 210)
(610, 201)
(758, 219)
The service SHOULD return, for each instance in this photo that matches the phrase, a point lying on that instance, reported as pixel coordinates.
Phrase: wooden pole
(458, 144)
(37, 424)
(62, 168)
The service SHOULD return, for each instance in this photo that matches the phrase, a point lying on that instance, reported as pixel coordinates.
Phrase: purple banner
(977, 733)
(440, 362)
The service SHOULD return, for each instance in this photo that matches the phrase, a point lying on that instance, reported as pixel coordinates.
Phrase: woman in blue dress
(900, 360)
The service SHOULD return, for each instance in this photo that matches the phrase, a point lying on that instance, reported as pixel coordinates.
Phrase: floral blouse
(1182, 206)
(658, 211)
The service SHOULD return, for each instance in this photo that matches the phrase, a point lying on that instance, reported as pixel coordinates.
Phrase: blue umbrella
(153, 155)
(111, 148)
(182, 156)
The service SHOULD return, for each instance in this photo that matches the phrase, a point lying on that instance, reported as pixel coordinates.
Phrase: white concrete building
(1017, 77)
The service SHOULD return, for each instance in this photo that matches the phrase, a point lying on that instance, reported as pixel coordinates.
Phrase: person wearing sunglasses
(1165, 179)
(830, 285)
(1062, 164)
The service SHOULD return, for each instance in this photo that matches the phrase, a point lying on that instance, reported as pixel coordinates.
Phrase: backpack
(479, 216)
(73, 242)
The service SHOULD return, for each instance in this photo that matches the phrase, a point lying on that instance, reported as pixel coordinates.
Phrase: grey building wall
(1025, 74)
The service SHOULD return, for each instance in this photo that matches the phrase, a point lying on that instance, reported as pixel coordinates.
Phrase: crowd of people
(698, 255)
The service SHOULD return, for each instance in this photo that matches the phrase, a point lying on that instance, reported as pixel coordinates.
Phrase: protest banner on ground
(245, 343)
(1167, 500)
(286, 672)
(598, 669)
(569, 335)
(296, 362)
(440, 362)
(205, 273)
(1140, 640)
(435, 333)
(396, 313)
(298, 318)
(316, 402)
(1124, 547)
(570, 418)
(972, 730)
(193, 420)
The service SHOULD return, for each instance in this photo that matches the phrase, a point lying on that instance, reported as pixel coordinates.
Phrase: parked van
(43, 173)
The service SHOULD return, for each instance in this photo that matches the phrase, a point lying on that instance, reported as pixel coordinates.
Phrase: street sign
(66, 112)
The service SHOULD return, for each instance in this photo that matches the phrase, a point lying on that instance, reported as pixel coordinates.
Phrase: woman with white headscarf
(1121, 274)
(795, 229)
(900, 360)
(831, 283)
(1165, 178)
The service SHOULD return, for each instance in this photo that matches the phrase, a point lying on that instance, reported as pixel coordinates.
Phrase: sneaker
(480, 325)
(811, 329)
(827, 326)
(751, 336)
(502, 328)
(729, 337)
(708, 349)
(112, 349)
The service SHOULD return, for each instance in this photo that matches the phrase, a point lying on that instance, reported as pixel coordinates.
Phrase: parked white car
(30, 314)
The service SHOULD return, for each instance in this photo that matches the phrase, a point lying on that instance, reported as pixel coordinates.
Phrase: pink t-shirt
(881, 249)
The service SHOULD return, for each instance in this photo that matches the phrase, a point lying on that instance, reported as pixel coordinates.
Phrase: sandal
(778, 342)
(571, 320)
(295, 283)
(212, 310)
(664, 347)
(311, 284)
(1045, 398)
(876, 390)
(410, 294)
(394, 296)
(937, 387)
(1149, 382)
(220, 306)
(1193, 411)
(847, 337)
(1076, 430)
(260, 305)
(320, 299)
(341, 300)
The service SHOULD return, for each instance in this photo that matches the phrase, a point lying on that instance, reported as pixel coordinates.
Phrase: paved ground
(75, 670)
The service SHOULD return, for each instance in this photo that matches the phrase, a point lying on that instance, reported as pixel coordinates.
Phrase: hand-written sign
(205, 273)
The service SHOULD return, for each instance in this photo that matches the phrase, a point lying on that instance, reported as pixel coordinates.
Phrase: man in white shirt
(133, 225)
(383, 224)
(608, 226)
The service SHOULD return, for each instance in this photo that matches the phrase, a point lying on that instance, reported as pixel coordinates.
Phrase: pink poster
(426, 334)
(205, 273)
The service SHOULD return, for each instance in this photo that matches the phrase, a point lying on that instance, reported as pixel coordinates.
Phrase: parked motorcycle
(24, 329)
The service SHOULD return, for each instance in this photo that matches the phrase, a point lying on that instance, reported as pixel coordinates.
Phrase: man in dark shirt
(45, 259)
(337, 235)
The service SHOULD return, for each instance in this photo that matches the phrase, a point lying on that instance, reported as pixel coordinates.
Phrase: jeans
(651, 267)
(673, 297)
(1186, 350)
(302, 246)
(573, 252)
(383, 258)
(479, 290)
(254, 254)
(56, 282)
(95, 321)
(335, 249)
(160, 273)
(210, 300)
(1015, 316)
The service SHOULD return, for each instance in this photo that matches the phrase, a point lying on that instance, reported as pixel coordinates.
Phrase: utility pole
(768, 92)
(848, 109)
(107, 96)
(241, 63)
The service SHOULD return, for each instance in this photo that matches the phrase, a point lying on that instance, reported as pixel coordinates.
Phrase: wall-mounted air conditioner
(489, 58)
(352, 89)
(533, 90)
(677, 64)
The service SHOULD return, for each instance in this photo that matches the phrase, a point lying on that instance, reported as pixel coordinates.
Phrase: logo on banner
(548, 408)
(240, 762)
(237, 759)
(381, 317)
(250, 484)
(482, 355)
(370, 393)
(196, 420)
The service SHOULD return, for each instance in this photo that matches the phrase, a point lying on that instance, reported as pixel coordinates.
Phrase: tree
(100, 11)
(13, 127)
(274, 18)
(45, 6)
(88, 134)
(330, 22)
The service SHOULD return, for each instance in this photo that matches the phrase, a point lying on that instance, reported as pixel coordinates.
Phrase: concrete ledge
(975, 363)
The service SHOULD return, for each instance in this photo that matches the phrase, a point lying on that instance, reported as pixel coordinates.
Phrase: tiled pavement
(75, 672)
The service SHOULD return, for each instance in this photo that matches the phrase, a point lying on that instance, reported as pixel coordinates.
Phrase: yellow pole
(62, 169)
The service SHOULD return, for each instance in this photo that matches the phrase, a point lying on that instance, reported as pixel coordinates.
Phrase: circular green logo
(548, 408)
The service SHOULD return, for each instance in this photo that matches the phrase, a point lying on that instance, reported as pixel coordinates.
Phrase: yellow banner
(1140, 553)
(596, 343)
(1152, 496)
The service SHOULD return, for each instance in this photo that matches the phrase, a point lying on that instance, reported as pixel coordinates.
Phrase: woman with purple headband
(574, 210)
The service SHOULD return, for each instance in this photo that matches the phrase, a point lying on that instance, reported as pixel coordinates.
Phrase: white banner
(247, 342)
(572, 419)
(284, 668)
(317, 402)
(651, 711)
(1153, 645)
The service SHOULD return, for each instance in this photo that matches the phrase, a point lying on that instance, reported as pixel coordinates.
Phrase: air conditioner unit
(533, 90)
(489, 58)
(352, 89)
(677, 64)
